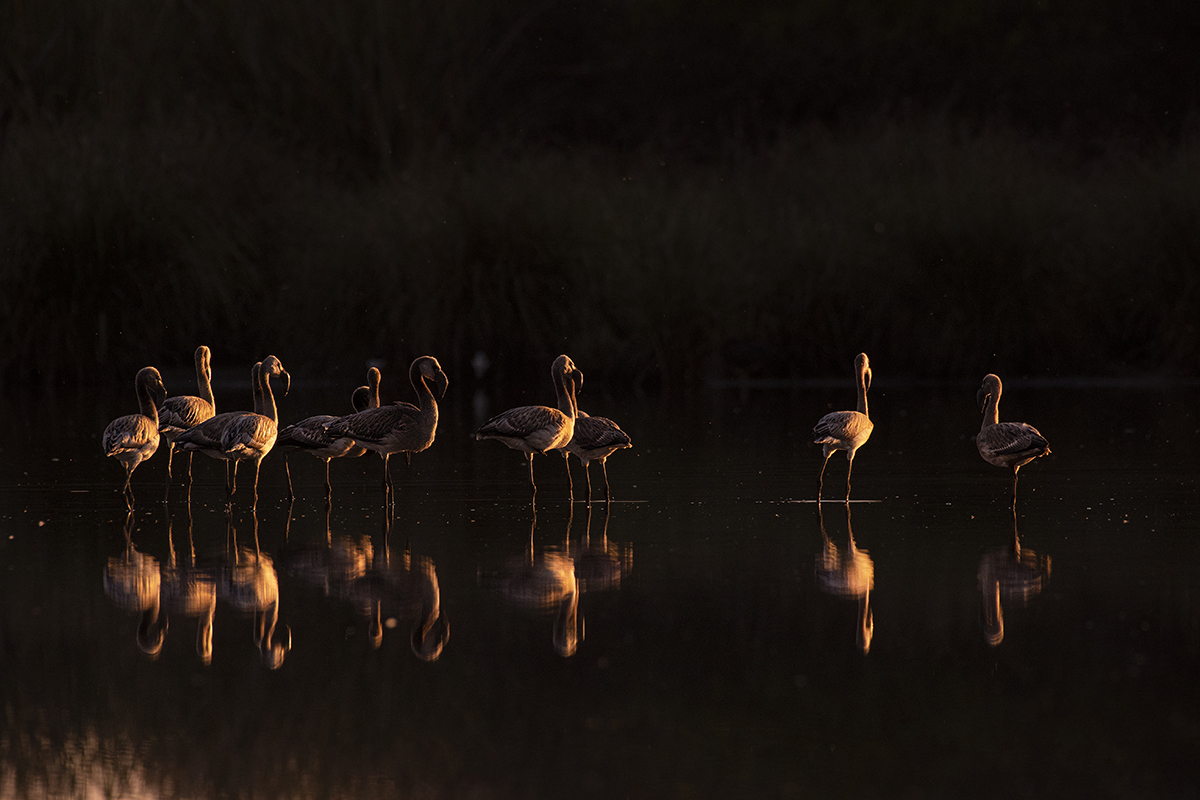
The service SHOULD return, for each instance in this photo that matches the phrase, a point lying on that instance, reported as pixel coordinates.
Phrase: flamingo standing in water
(539, 429)
(134, 438)
(183, 411)
(250, 436)
(400, 427)
(595, 439)
(207, 437)
(846, 430)
(1005, 444)
(309, 436)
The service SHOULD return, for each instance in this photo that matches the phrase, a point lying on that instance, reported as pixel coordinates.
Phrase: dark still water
(710, 634)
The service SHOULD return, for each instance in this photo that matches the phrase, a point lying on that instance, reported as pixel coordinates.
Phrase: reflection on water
(190, 591)
(1009, 574)
(248, 582)
(406, 587)
(542, 580)
(133, 582)
(600, 564)
(382, 585)
(848, 572)
(245, 580)
(726, 664)
(550, 579)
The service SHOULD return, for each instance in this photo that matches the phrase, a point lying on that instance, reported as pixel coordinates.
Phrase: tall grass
(382, 179)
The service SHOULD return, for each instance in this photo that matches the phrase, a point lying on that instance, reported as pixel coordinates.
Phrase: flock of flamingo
(191, 424)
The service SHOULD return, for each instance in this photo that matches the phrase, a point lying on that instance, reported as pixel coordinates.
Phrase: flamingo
(181, 412)
(846, 430)
(250, 436)
(1005, 444)
(400, 427)
(134, 438)
(309, 436)
(208, 435)
(539, 429)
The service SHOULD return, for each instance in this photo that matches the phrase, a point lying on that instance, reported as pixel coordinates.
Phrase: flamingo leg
(849, 469)
(532, 485)
(170, 456)
(328, 486)
(254, 502)
(587, 474)
(604, 471)
(570, 482)
(821, 479)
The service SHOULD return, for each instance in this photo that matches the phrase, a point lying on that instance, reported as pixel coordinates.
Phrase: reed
(383, 179)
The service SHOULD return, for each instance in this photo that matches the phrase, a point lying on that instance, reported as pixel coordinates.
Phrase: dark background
(672, 192)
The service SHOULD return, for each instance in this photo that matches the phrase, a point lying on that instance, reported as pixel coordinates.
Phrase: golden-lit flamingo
(1005, 444)
(846, 430)
(134, 438)
(181, 412)
(539, 429)
(400, 427)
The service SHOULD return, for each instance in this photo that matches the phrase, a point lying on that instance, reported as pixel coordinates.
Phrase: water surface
(707, 634)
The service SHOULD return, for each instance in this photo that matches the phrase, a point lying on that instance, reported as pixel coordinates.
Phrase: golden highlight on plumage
(846, 430)
(134, 438)
(539, 429)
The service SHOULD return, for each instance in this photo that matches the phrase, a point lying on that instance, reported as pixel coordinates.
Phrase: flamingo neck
(204, 383)
(991, 412)
(146, 403)
(565, 388)
(268, 399)
(425, 397)
(862, 394)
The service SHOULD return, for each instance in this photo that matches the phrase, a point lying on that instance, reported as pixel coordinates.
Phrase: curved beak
(981, 399)
(441, 382)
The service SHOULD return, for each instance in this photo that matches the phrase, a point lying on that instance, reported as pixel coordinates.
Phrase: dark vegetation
(669, 191)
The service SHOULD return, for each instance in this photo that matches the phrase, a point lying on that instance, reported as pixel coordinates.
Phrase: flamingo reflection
(1009, 574)
(133, 582)
(333, 564)
(191, 592)
(848, 572)
(249, 583)
(407, 586)
(600, 564)
(543, 581)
